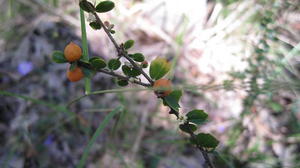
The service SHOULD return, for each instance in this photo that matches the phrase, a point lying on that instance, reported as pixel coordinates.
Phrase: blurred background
(241, 57)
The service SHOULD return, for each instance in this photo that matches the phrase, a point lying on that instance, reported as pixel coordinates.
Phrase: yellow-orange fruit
(75, 75)
(72, 52)
(165, 85)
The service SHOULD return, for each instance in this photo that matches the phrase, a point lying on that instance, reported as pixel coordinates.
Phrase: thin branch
(204, 153)
(88, 66)
(120, 50)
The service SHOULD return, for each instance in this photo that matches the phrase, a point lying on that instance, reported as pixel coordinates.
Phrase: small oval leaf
(158, 68)
(95, 25)
(139, 57)
(122, 82)
(129, 71)
(134, 72)
(126, 70)
(58, 57)
(188, 128)
(128, 44)
(97, 63)
(86, 6)
(197, 116)
(173, 99)
(114, 64)
(105, 6)
(205, 140)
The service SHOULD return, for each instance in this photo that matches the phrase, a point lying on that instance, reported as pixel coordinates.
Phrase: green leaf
(158, 68)
(105, 6)
(134, 72)
(188, 127)
(112, 31)
(97, 63)
(197, 116)
(205, 141)
(126, 70)
(129, 71)
(73, 66)
(173, 99)
(139, 57)
(114, 64)
(58, 57)
(95, 25)
(86, 6)
(122, 82)
(128, 44)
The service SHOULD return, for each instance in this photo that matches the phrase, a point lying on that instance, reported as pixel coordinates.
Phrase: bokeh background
(241, 57)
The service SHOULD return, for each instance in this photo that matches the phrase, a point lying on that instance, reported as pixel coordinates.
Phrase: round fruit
(75, 75)
(163, 84)
(72, 52)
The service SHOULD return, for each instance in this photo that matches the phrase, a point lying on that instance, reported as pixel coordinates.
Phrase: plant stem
(204, 153)
(121, 51)
(87, 81)
(88, 66)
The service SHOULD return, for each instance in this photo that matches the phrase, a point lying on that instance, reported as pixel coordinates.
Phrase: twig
(120, 50)
(88, 66)
(204, 153)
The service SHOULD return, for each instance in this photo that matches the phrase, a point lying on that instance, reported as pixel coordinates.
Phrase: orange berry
(75, 75)
(72, 52)
(163, 84)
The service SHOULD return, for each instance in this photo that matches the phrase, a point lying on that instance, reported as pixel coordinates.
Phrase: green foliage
(73, 66)
(138, 57)
(205, 141)
(97, 63)
(188, 127)
(159, 68)
(105, 6)
(95, 25)
(114, 64)
(58, 57)
(130, 71)
(86, 6)
(196, 116)
(128, 44)
(122, 82)
(173, 99)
